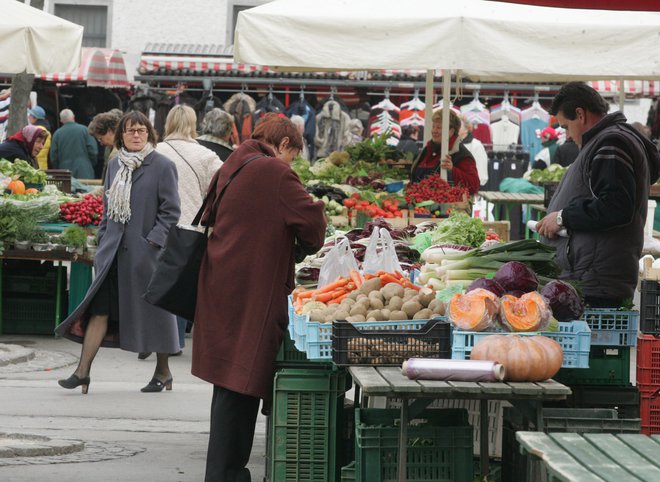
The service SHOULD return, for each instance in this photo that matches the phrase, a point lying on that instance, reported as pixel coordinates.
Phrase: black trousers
(233, 419)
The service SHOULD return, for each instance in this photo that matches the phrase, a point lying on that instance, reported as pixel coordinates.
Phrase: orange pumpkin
(525, 358)
(31, 190)
(476, 310)
(530, 312)
(16, 187)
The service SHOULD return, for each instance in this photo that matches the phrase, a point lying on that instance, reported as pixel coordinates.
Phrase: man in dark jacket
(602, 200)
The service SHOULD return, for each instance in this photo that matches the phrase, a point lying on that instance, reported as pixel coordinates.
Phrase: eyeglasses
(140, 130)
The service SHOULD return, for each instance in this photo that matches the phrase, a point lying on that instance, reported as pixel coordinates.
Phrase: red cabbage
(564, 301)
(516, 276)
(487, 284)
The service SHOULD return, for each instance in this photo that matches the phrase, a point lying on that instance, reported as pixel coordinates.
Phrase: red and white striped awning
(152, 63)
(98, 68)
(644, 88)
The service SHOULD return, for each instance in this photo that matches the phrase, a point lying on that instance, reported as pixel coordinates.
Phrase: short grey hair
(66, 115)
(217, 123)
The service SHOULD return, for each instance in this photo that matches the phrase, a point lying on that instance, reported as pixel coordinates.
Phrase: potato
(349, 301)
(353, 295)
(361, 296)
(358, 309)
(425, 296)
(376, 314)
(411, 307)
(398, 315)
(395, 303)
(410, 291)
(376, 304)
(392, 289)
(377, 295)
(424, 314)
(317, 315)
(438, 307)
(365, 302)
(328, 319)
(370, 285)
(386, 313)
(372, 319)
(356, 318)
(341, 314)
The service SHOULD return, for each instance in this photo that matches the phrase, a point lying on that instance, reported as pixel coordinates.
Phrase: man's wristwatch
(560, 220)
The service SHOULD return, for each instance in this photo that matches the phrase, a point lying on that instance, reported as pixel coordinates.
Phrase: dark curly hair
(104, 122)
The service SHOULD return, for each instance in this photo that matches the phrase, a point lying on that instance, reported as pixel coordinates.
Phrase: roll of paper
(453, 370)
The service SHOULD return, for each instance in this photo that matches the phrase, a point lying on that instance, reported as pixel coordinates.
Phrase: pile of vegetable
(337, 168)
(379, 297)
(332, 207)
(22, 171)
(554, 173)
(372, 149)
(374, 206)
(88, 210)
(510, 301)
(434, 188)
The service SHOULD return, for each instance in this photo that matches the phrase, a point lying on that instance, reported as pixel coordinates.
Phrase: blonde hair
(181, 123)
(454, 119)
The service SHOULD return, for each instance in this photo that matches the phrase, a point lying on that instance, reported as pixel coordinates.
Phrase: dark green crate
(607, 366)
(29, 315)
(15, 281)
(348, 473)
(307, 423)
(290, 356)
(439, 448)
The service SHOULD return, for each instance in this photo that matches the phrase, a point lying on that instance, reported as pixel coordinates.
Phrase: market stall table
(572, 457)
(510, 199)
(79, 263)
(416, 395)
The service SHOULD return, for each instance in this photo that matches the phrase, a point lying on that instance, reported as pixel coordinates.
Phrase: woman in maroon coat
(263, 221)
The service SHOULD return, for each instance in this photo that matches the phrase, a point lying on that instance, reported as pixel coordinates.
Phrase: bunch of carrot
(338, 290)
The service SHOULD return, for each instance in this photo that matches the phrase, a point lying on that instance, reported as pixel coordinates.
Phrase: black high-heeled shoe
(156, 385)
(75, 381)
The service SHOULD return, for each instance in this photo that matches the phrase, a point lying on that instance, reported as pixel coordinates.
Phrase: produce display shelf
(648, 360)
(573, 336)
(352, 345)
(439, 446)
(611, 327)
(625, 400)
(607, 366)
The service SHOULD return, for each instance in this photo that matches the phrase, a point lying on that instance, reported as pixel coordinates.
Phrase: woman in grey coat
(140, 204)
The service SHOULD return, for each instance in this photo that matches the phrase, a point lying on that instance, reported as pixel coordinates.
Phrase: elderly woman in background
(140, 203)
(196, 166)
(103, 128)
(459, 162)
(217, 127)
(263, 220)
(25, 144)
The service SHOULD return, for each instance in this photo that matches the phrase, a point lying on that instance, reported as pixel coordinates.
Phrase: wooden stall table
(416, 395)
(596, 457)
(509, 199)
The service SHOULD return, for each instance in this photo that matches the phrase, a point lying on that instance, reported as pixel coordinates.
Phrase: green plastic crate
(30, 316)
(607, 366)
(439, 449)
(290, 356)
(348, 473)
(307, 408)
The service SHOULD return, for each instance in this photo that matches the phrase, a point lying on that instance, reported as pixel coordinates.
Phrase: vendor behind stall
(25, 145)
(459, 163)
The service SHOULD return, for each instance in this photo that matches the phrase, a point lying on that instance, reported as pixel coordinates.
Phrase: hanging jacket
(241, 106)
(304, 110)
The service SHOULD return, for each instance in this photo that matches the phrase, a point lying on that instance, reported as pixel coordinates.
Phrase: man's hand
(446, 163)
(548, 227)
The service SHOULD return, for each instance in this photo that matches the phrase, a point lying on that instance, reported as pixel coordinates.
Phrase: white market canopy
(483, 40)
(34, 41)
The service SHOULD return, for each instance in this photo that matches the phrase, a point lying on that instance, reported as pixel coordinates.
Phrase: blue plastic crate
(612, 327)
(573, 336)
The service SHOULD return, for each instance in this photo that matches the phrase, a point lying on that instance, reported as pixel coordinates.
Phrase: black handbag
(173, 284)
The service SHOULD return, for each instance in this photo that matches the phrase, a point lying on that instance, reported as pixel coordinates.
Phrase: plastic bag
(381, 254)
(340, 261)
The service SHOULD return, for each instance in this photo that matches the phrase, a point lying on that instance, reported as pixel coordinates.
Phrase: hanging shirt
(504, 133)
(528, 137)
(481, 132)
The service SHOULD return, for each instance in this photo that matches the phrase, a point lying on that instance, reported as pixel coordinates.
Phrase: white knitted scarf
(119, 194)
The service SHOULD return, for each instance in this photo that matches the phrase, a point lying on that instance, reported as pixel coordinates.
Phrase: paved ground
(128, 435)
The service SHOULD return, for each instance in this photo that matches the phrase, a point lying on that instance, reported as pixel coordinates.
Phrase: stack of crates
(29, 296)
(648, 352)
(606, 383)
(306, 425)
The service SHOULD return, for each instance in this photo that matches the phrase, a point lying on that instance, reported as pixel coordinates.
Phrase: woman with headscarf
(140, 203)
(25, 144)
